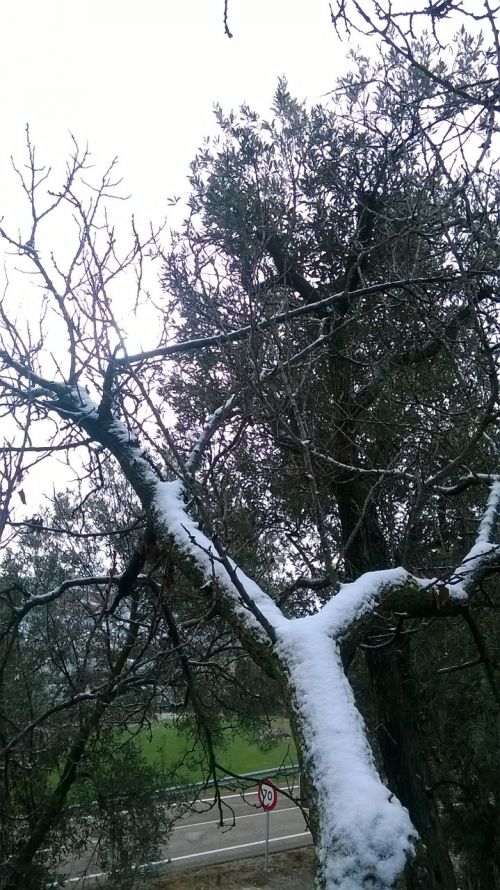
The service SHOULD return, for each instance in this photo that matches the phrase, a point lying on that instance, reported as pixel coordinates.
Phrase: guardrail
(174, 794)
(177, 793)
(233, 780)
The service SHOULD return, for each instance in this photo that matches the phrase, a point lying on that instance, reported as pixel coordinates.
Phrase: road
(196, 839)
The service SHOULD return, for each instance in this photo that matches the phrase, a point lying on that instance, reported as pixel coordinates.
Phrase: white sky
(139, 79)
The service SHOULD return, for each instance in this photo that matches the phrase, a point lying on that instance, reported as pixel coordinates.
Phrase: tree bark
(397, 703)
(405, 764)
(489, 821)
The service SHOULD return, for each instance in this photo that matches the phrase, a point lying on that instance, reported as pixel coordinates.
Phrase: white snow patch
(122, 433)
(490, 513)
(366, 831)
(119, 430)
(482, 548)
(169, 506)
(458, 585)
(357, 598)
(84, 402)
(211, 424)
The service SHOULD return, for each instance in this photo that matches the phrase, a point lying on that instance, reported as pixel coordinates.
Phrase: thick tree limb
(332, 301)
(300, 653)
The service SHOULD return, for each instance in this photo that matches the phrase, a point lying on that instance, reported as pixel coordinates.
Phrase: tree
(80, 672)
(329, 417)
(398, 29)
(307, 173)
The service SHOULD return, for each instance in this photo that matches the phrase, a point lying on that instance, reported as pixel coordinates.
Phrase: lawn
(176, 759)
(165, 745)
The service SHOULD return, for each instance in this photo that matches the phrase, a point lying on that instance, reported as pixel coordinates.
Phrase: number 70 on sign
(268, 795)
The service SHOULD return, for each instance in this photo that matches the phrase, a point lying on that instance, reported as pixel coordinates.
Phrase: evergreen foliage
(330, 306)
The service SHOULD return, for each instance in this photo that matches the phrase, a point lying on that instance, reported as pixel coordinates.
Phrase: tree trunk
(392, 682)
(20, 874)
(489, 821)
(405, 764)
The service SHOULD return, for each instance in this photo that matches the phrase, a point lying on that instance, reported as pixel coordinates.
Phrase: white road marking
(215, 821)
(245, 794)
(103, 874)
(272, 840)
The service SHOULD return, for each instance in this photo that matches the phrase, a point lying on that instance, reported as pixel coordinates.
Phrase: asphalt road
(197, 840)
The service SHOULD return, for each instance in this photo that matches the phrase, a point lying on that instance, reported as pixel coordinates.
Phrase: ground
(292, 870)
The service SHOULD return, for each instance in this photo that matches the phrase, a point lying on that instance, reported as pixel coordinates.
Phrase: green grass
(165, 745)
(175, 759)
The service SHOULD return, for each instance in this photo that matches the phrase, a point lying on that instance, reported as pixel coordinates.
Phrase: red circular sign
(268, 795)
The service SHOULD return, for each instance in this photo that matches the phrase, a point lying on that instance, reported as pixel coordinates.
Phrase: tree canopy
(308, 455)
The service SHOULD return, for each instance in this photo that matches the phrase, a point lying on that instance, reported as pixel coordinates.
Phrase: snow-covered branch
(363, 831)
(214, 567)
(212, 425)
(365, 835)
(483, 552)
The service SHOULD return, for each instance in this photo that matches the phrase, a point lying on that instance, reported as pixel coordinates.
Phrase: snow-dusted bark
(364, 836)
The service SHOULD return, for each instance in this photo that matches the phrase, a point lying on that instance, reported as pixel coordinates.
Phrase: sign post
(266, 862)
(268, 798)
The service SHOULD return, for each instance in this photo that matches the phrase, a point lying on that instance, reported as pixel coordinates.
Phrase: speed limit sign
(268, 795)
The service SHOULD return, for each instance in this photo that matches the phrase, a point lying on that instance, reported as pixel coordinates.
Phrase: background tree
(331, 414)
(63, 657)
(399, 29)
(80, 674)
(341, 207)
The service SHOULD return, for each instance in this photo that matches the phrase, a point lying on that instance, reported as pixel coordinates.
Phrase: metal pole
(267, 839)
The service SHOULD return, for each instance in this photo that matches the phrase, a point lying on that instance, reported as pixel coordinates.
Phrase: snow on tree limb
(358, 597)
(483, 552)
(490, 516)
(169, 508)
(212, 425)
(365, 833)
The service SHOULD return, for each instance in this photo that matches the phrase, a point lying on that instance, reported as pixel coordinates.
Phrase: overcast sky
(139, 79)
